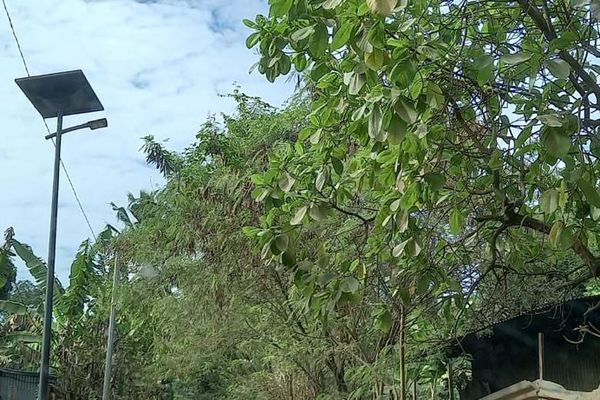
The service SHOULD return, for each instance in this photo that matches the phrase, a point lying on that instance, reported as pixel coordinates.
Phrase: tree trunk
(414, 391)
(402, 354)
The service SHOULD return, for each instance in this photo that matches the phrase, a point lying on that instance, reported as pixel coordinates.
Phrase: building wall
(510, 353)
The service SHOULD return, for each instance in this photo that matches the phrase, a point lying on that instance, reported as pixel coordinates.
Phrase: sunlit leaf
(382, 7)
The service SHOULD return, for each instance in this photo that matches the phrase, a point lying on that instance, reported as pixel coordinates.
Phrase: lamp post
(56, 96)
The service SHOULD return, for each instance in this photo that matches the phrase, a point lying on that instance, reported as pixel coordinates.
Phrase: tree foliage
(436, 172)
(457, 138)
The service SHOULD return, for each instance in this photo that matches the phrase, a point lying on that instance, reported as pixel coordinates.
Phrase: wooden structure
(557, 344)
(540, 389)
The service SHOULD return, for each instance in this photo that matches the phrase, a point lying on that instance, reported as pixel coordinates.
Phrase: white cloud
(157, 66)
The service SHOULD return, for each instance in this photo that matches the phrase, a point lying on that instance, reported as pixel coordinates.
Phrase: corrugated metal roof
(540, 309)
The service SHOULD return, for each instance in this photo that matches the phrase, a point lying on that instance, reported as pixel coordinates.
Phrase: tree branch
(549, 33)
(512, 218)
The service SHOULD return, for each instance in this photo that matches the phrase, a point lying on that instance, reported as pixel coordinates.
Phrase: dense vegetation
(436, 170)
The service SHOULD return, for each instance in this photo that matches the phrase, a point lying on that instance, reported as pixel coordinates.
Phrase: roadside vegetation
(436, 171)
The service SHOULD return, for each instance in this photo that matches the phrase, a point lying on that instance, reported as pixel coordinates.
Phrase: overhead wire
(64, 167)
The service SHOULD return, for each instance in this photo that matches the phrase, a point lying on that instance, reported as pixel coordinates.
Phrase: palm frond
(82, 271)
(37, 267)
(164, 160)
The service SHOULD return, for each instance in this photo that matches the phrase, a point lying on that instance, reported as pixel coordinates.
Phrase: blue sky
(157, 66)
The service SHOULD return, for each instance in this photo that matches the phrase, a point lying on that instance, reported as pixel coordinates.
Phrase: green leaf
(357, 81)
(250, 231)
(559, 68)
(565, 239)
(564, 42)
(376, 131)
(300, 62)
(435, 96)
(559, 236)
(402, 219)
(331, 4)
(416, 87)
(37, 267)
(457, 220)
(252, 40)
(483, 61)
(595, 213)
(495, 160)
(82, 268)
(315, 137)
(338, 166)
(590, 192)
(413, 247)
(551, 120)
(374, 60)
(428, 52)
(407, 24)
(396, 130)
(549, 201)
(403, 74)
(383, 321)
(288, 258)
(318, 42)
(523, 136)
(341, 35)
(410, 196)
(286, 182)
(280, 244)
(320, 180)
(25, 337)
(421, 131)
(362, 41)
(280, 7)
(349, 285)
(284, 64)
(555, 142)
(435, 180)
(302, 33)
(12, 307)
(517, 58)
(297, 219)
(484, 65)
(249, 23)
(399, 249)
(381, 7)
(261, 194)
(316, 212)
(406, 111)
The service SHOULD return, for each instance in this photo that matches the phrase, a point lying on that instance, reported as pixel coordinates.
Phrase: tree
(28, 294)
(80, 313)
(8, 271)
(458, 141)
(460, 137)
(207, 316)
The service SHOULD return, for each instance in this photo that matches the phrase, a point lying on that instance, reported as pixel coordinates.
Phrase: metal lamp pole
(47, 336)
(48, 304)
(55, 96)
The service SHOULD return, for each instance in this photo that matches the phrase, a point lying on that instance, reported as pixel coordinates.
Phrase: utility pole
(450, 380)
(111, 333)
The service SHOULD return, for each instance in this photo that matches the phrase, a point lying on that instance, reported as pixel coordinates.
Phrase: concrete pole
(111, 334)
